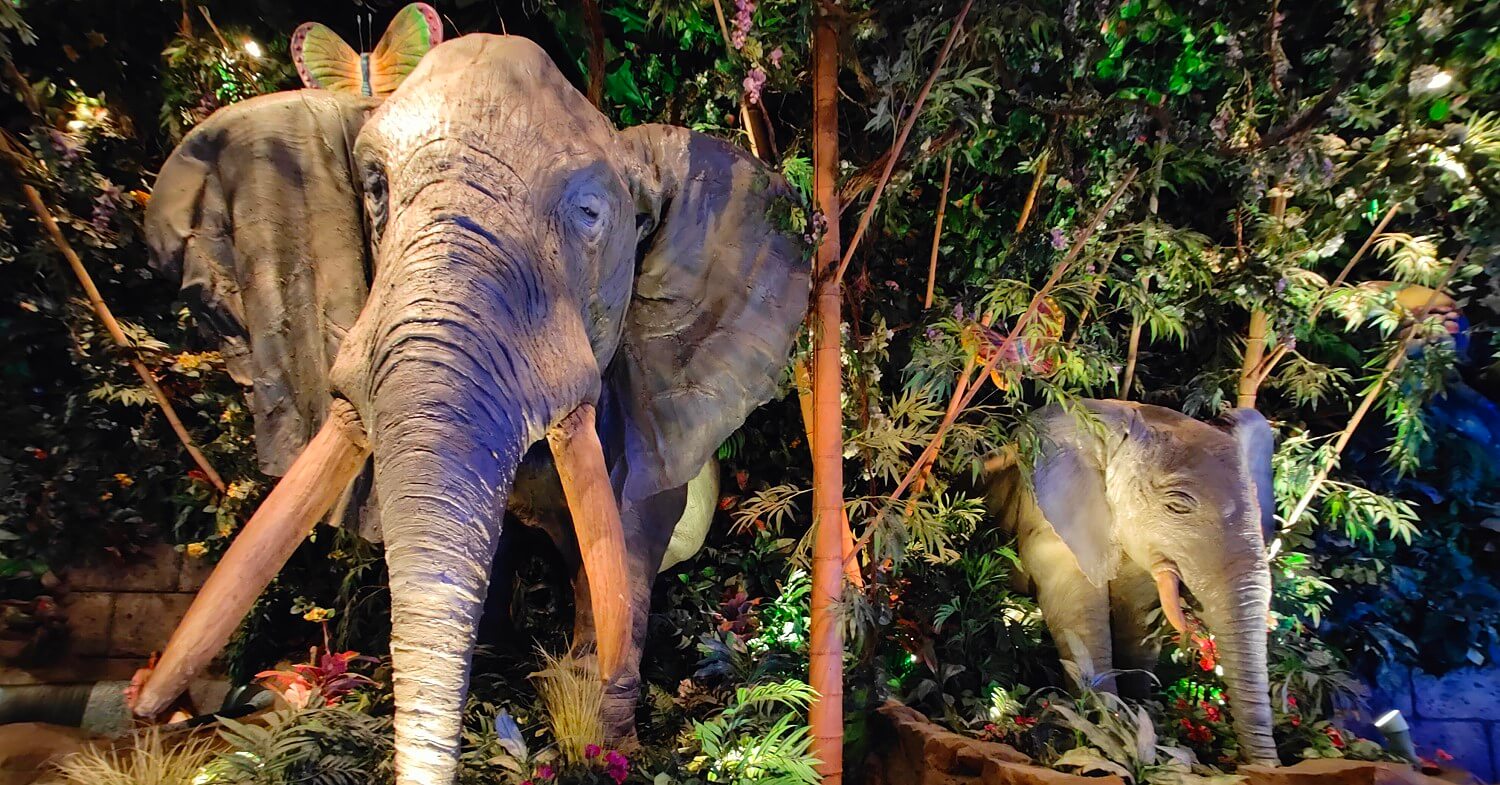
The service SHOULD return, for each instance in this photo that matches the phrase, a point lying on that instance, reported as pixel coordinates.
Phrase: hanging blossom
(753, 83)
(744, 19)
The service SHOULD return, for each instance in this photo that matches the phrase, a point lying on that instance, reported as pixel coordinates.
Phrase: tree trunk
(826, 665)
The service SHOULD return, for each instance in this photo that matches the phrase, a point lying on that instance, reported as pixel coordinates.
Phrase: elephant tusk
(1169, 589)
(311, 486)
(601, 538)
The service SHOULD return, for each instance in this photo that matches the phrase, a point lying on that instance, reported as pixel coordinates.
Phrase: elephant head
(441, 280)
(1130, 493)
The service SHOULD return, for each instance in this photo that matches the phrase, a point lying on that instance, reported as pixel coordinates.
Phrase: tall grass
(149, 760)
(573, 696)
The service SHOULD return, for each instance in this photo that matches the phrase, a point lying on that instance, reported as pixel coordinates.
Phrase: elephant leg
(1132, 596)
(1076, 611)
(648, 528)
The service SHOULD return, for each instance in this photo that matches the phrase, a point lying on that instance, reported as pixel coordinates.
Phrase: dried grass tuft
(573, 696)
(149, 760)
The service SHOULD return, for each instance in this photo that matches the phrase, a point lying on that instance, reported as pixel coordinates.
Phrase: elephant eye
(377, 200)
(1180, 503)
(589, 213)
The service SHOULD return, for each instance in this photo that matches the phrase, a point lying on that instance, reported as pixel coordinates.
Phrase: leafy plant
(760, 737)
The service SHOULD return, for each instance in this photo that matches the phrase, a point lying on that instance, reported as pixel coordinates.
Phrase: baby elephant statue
(1126, 502)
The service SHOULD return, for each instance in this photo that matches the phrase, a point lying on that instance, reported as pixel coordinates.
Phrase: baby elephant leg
(1076, 611)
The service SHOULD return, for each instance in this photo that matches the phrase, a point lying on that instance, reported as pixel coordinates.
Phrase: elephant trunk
(454, 402)
(1236, 614)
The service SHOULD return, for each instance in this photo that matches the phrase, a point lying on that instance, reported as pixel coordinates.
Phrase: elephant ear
(258, 212)
(721, 289)
(1068, 478)
(1256, 442)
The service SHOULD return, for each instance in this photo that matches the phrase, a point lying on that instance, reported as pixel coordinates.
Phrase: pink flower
(754, 81)
(776, 57)
(592, 751)
(617, 766)
(544, 772)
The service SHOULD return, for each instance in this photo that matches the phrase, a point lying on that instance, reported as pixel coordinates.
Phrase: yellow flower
(189, 361)
(124, 479)
(196, 550)
(317, 614)
(239, 490)
(225, 528)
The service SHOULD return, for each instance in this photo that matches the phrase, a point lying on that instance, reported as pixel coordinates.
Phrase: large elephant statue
(435, 283)
(1124, 504)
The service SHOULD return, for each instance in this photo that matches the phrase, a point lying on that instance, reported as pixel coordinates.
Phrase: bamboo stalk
(1398, 356)
(1248, 388)
(929, 454)
(111, 326)
(594, 22)
(937, 232)
(803, 381)
(1036, 187)
(1270, 362)
(906, 127)
(826, 637)
(1134, 342)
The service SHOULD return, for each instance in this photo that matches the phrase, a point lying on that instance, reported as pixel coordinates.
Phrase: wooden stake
(101, 309)
(826, 638)
(911, 121)
(1397, 357)
(594, 23)
(937, 232)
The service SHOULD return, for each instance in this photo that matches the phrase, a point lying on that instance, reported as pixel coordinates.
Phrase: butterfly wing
(324, 61)
(414, 30)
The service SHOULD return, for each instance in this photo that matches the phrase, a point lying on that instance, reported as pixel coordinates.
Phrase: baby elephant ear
(722, 287)
(258, 212)
(1257, 443)
(1068, 478)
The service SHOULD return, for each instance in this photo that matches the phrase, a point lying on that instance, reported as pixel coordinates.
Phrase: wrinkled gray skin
(522, 257)
(1134, 489)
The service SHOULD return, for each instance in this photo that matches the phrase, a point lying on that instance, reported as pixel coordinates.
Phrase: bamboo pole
(937, 232)
(803, 380)
(1036, 187)
(929, 454)
(107, 318)
(826, 638)
(1398, 356)
(1132, 353)
(911, 121)
(1264, 372)
(1260, 327)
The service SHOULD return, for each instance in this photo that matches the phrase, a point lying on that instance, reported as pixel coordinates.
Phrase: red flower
(1025, 721)
(1335, 737)
(1291, 700)
(1200, 734)
(592, 751)
(1186, 723)
(38, 453)
(1182, 704)
(1212, 712)
(1296, 721)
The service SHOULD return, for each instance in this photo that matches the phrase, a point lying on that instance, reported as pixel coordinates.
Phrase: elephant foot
(618, 712)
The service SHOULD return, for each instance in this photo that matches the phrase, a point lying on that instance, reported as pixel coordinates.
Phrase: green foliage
(759, 737)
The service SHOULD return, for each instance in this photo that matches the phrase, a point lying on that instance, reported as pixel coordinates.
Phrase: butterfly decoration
(1026, 353)
(325, 62)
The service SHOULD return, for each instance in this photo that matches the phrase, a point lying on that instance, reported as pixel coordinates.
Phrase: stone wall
(118, 614)
(1458, 713)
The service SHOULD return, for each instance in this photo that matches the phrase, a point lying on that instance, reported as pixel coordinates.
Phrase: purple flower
(1058, 239)
(776, 57)
(65, 144)
(1281, 285)
(592, 751)
(754, 81)
(744, 19)
(932, 333)
(544, 772)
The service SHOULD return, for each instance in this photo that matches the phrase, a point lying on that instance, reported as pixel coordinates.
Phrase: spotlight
(1392, 725)
(252, 48)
